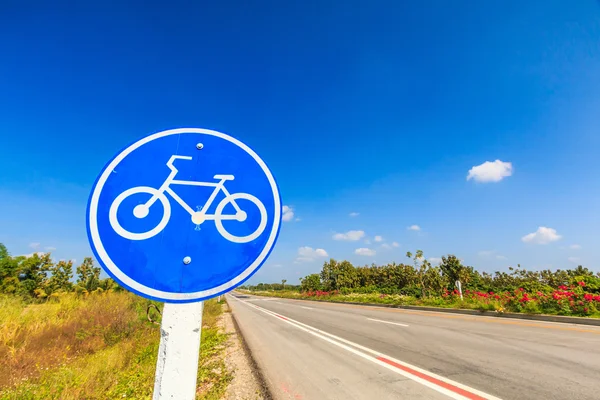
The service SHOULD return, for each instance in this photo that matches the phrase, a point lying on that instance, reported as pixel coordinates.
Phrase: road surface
(309, 350)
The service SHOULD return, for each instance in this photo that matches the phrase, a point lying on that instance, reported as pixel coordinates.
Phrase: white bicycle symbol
(198, 217)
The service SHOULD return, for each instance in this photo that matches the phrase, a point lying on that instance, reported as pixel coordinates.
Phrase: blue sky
(376, 108)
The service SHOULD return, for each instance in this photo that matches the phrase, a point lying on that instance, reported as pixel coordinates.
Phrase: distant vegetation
(38, 277)
(569, 292)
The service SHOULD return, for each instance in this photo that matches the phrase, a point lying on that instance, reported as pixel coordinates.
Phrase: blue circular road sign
(184, 215)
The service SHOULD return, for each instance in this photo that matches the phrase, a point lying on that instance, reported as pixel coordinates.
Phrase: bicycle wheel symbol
(231, 199)
(141, 211)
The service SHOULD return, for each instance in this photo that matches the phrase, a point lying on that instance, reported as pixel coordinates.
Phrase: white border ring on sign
(173, 296)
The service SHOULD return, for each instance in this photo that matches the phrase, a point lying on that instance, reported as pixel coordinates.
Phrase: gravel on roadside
(246, 383)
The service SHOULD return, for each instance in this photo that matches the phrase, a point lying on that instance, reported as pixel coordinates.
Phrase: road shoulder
(247, 384)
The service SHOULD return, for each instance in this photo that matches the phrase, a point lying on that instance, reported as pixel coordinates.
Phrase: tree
(109, 284)
(283, 281)
(347, 277)
(329, 274)
(310, 283)
(33, 273)
(3, 252)
(453, 271)
(62, 273)
(420, 266)
(88, 276)
(9, 282)
(434, 280)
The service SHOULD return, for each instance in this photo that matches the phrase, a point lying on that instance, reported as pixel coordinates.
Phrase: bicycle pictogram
(199, 216)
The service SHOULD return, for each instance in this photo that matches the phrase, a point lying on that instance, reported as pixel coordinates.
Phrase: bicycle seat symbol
(198, 217)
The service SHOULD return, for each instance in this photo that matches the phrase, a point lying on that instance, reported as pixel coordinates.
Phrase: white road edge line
(307, 308)
(386, 322)
(326, 336)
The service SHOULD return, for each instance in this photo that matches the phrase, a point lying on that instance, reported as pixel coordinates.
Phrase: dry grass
(99, 347)
(41, 336)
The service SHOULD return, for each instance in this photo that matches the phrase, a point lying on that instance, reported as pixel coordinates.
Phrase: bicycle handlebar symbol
(198, 217)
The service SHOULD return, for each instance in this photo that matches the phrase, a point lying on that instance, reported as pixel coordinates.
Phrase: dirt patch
(246, 383)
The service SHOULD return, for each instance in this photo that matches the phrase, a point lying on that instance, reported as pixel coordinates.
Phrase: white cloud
(50, 248)
(543, 235)
(435, 260)
(386, 246)
(414, 228)
(363, 251)
(575, 247)
(288, 213)
(34, 245)
(306, 254)
(574, 260)
(489, 253)
(350, 235)
(354, 214)
(490, 171)
(396, 244)
(367, 241)
(310, 252)
(378, 238)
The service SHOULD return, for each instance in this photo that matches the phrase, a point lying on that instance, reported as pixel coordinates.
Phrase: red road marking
(284, 318)
(428, 378)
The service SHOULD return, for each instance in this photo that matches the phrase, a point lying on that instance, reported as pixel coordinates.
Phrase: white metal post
(458, 284)
(177, 365)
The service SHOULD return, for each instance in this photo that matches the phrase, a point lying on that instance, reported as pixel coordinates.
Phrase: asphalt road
(309, 350)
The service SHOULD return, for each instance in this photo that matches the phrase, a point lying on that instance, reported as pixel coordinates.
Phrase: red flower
(581, 283)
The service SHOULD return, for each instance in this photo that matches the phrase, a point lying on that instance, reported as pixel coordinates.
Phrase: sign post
(182, 216)
(459, 286)
(177, 365)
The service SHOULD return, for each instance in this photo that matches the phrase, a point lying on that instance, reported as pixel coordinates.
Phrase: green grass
(97, 347)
